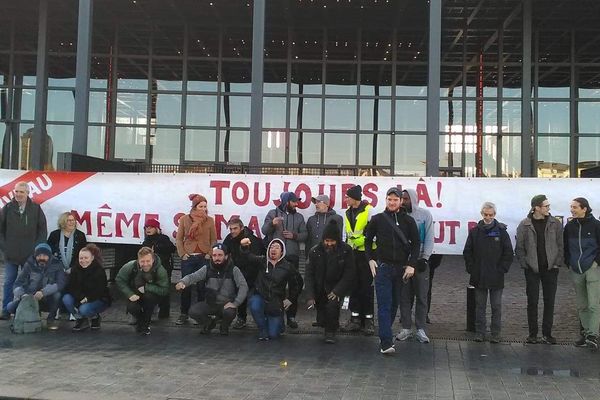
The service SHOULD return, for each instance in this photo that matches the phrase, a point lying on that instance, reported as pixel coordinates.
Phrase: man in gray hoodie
(285, 223)
(417, 286)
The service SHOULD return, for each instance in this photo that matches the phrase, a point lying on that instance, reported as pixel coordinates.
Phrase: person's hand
(38, 295)
(287, 304)
(277, 220)
(288, 234)
(409, 272)
(207, 256)
(141, 289)
(245, 242)
(68, 271)
(180, 286)
(229, 305)
(333, 296)
(310, 303)
(373, 266)
(134, 297)
(185, 256)
(83, 301)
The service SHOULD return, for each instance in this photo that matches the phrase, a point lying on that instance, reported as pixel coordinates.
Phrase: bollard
(470, 308)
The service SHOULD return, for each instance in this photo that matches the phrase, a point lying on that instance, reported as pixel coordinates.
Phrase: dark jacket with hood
(20, 233)
(582, 243)
(390, 249)
(89, 283)
(79, 243)
(249, 269)
(328, 272)
(131, 277)
(292, 221)
(273, 277)
(316, 225)
(488, 255)
(163, 246)
(50, 278)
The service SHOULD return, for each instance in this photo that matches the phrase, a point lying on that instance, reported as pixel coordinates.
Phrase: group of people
(359, 254)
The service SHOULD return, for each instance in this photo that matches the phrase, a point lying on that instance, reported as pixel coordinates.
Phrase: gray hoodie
(316, 225)
(293, 222)
(424, 221)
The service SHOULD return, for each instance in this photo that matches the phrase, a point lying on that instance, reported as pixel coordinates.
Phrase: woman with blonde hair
(67, 241)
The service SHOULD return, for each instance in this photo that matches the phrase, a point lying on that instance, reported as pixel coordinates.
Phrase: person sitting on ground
(87, 293)
(144, 282)
(42, 277)
(225, 290)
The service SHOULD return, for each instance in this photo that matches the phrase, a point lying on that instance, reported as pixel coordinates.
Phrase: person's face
(235, 230)
(392, 202)
(488, 215)
(544, 209)
(275, 251)
(21, 194)
(352, 202)
(202, 206)
(145, 262)
(576, 210)
(42, 259)
(70, 223)
(292, 205)
(218, 256)
(150, 230)
(406, 201)
(85, 258)
(329, 244)
(321, 207)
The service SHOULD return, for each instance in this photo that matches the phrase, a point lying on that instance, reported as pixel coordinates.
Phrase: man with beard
(42, 277)
(226, 290)
(329, 277)
(316, 223)
(237, 232)
(285, 223)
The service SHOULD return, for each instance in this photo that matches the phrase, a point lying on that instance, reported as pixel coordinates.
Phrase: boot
(353, 325)
(369, 329)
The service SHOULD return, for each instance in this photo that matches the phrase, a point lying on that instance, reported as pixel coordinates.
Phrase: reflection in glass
(97, 108)
(511, 156)
(168, 109)
(130, 143)
(62, 139)
(305, 148)
(234, 146)
(235, 111)
(381, 109)
(27, 104)
(236, 76)
(374, 155)
(168, 74)
(451, 116)
(202, 76)
(200, 145)
(409, 155)
(558, 92)
(201, 110)
(511, 116)
(96, 135)
(376, 80)
(490, 117)
(165, 145)
(275, 79)
(589, 152)
(553, 157)
(307, 78)
(489, 156)
(411, 115)
(61, 105)
(340, 148)
(589, 117)
(340, 114)
(309, 111)
(274, 112)
(402, 90)
(62, 82)
(273, 146)
(553, 117)
(341, 79)
(132, 108)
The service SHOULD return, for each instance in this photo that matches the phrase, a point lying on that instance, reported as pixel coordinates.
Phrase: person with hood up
(226, 290)
(287, 224)
(329, 277)
(488, 255)
(318, 221)
(237, 232)
(417, 286)
(540, 252)
(269, 300)
(582, 255)
(144, 282)
(42, 277)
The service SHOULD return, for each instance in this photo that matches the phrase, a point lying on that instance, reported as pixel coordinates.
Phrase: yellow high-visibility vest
(356, 238)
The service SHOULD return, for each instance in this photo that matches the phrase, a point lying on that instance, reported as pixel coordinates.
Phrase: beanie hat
(538, 200)
(42, 248)
(152, 223)
(222, 247)
(355, 192)
(196, 199)
(332, 231)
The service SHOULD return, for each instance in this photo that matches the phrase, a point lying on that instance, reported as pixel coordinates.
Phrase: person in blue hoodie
(582, 255)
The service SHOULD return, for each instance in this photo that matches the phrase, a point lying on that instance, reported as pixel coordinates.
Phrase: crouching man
(226, 289)
(329, 277)
(144, 282)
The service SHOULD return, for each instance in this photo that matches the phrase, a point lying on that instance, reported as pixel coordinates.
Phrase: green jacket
(131, 277)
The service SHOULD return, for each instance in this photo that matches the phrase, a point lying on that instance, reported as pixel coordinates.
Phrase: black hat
(395, 191)
(538, 200)
(221, 246)
(332, 231)
(355, 192)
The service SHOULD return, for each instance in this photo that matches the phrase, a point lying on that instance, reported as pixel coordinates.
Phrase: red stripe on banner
(44, 185)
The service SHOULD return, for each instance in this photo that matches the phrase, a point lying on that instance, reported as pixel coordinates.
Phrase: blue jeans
(10, 276)
(189, 266)
(47, 303)
(86, 310)
(266, 324)
(386, 287)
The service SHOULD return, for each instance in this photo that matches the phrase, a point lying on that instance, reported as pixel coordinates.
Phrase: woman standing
(67, 241)
(87, 292)
(196, 233)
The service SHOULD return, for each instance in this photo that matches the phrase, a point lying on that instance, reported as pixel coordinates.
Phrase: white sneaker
(404, 334)
(387, 350)
(422, 336)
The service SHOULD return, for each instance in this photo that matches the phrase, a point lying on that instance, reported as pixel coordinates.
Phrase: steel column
(38, 141)
(82, 76)
(433, 88)
(256, 100)
(526, 132)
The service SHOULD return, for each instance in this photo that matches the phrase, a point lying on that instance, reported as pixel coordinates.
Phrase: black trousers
(293, 309)
(201, 312)
(164, 307)
(362, 297)
(143, 308)
(549, 280)
(328, 313)
(434, 261)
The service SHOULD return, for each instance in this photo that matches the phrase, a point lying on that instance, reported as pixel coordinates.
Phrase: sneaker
(387, 349)
(144, 330)
(330, 337)
(72, 317)
(548, 339)
(592, 342)
(291, 322)
(80, 325)
(495, 338)
(369, 329)
(404, 334)
(581, 342)
(422, 336)
(479, 337)
(182, 319)
(95, 323)
(239, 323)
(531, 339)
(52, 325)
(353, 325)
(263, 336)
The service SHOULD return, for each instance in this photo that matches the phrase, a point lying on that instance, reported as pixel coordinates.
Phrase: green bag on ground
(27, 317)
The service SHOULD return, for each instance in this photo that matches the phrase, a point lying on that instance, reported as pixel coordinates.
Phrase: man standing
(361, 305)
(144, 282)
(582, 255)
(237, 232)
(329, 277)
(226, 290)
(316, 223)
(488, 254)
(22, 226)
(285, 223)
(398, 249)
(539, 250)
(418, 286)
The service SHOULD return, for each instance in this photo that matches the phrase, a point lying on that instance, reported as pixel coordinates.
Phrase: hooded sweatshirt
(316, 225)
(424, 221)
(292, 221)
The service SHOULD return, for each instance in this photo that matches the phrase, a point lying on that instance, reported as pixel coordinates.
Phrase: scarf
(198, 219)
(66, 255)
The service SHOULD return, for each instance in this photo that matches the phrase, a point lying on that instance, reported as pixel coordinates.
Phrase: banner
(112, 207)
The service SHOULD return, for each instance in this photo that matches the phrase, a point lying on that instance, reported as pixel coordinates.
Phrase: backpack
(27, 317)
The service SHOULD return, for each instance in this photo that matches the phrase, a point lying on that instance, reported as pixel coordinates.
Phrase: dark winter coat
(20, 233)
(316, 225)
(329, 272)
(249, 269)
(33, 277)
(89, 283)
(131, 277)
(80, 243)
(163, 246)
(488, 255)
(582, 243)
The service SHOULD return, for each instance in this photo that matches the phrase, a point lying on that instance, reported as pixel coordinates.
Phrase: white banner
(112, 207)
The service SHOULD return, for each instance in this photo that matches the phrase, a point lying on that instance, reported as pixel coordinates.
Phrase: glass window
(451, 150)
(61, 82)
(410, 155)
(511, 156)
(553, 117)
(234, 146)
(383, 114)
(275, 78)
(202, 76)
(62, 139)
(403, 90)
(341, 79)
(168, 74)
(450, 116)
(61, 105)
(130, 143)
(589, 117)
(27, 104)
(273, 146)
(237, 76)
(558, 92)
(274, 111)
(376, 80)
(340, 148)
(340, 114)
(235, 111)
(202, 110)
(490, 117)
(200, 145)
(411, 115)
(309, 109)
(96, 140)
(133, 74)
(305, 148)
(511, 116)
(341, 44)
(553, 157)
(307, 78)
(203, 43)
(589, 152)
(168, 109)
(489, 156)
(97, 107)
(374, 149)
(132, 108)
(307, 44)
(165, 145)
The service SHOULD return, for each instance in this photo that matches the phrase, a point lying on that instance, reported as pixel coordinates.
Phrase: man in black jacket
(398, 249)
(329, 277)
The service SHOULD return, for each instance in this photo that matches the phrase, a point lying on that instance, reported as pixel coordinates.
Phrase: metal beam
(526, 132)
(82, 76)
(38, 141)
(433, 88)
(256, 99)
